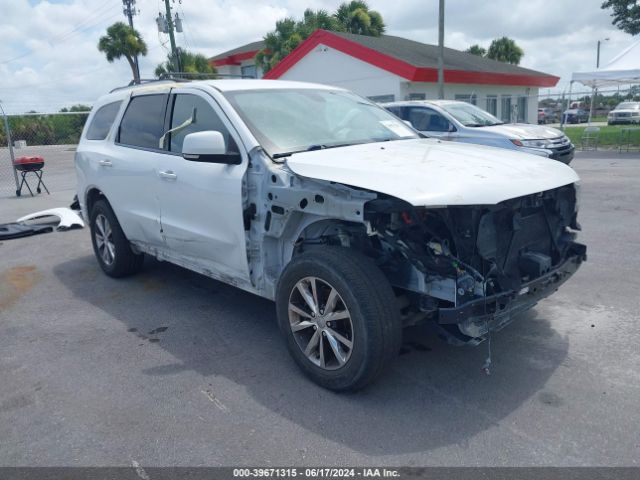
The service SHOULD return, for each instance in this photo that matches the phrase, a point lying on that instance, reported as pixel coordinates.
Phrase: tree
(353, 17)
(476, 50)
(290, 33)
(77, 108)
(356, 17)
(123, 41)
(189, 62)
(505, 50)
(626, 15)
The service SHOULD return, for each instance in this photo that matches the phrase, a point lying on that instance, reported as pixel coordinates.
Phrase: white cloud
(57, 62)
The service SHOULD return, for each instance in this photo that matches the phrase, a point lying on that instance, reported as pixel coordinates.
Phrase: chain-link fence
(34, 135)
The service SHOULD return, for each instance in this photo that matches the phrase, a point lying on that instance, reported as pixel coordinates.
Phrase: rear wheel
(111, 247)
(339, 317)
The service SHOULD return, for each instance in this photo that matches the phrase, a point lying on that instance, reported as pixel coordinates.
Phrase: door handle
(168, 174)
(105, 163)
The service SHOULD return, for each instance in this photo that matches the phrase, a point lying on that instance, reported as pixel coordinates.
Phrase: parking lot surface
(172, 368)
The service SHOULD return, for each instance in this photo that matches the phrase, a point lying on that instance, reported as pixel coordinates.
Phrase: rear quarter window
(102, 121)
(143, 123)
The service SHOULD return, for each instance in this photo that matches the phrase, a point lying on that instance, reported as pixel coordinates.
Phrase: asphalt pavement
(169, 368)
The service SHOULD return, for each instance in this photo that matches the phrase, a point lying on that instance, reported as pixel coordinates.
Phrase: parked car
(576, 115)
(463, 122)
(547, 115)
(329, 205)
(626, 112)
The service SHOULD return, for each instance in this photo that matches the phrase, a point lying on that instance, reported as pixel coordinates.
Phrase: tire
(364, 295)
(114, 256)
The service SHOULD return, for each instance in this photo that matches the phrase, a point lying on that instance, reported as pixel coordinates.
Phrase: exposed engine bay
(472, 268)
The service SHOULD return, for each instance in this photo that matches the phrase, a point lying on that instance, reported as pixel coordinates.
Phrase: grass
(609, 135)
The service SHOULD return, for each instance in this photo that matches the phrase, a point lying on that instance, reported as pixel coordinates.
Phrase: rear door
(133, 168)
(201, 203)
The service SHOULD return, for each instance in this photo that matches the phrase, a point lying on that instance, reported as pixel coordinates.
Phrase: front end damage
(472, 269)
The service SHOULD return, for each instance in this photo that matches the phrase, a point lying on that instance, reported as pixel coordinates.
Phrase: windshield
(470, 115)
(287, 121)
(628, 106)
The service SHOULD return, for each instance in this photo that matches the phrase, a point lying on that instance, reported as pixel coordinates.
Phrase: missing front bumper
(477, 317)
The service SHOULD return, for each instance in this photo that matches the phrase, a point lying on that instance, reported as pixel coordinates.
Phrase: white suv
(318, 199)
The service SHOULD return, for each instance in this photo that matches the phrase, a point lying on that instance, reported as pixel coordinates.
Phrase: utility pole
(594, 91)
(170, 27)
(441, 51)
(129, 10)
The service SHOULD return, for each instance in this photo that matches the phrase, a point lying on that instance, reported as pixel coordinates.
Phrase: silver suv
(324, 202)
(463, 122)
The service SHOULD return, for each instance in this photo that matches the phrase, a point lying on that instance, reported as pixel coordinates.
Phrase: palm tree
(290, 33)
(189, 63)
(123, 41)
(505, 50)
(476, 50)
(356, 17)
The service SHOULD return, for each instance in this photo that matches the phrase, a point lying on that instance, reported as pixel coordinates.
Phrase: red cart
(26, 165)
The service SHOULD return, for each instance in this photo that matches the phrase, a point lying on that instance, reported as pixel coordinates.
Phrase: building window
(505, 108)
(467, 98)
(248, 71)
(417, 96)
(492, 104)
(522, 113)
(382, 98)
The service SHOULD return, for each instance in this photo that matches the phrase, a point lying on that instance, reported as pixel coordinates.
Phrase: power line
(63, 37)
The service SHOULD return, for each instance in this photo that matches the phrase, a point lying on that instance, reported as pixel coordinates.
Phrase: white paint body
(191, 213)
(68, 218)
(429, 172)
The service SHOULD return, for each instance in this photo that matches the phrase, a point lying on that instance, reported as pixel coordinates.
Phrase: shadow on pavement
(432, 395)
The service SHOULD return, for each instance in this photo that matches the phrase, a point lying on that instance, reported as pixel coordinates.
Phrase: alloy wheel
(321, 323)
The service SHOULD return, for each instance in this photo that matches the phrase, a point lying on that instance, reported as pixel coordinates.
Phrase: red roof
(414, 61)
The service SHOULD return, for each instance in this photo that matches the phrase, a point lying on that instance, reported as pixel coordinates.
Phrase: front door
(201, 203)
(430, 122)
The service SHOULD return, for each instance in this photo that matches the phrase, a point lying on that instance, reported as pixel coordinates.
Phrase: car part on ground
(68, 219)
(18, 230)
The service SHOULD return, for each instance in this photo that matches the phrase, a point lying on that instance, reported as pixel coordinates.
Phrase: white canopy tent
(623, 69)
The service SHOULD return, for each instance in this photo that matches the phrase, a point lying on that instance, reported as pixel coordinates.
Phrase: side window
(102, 121)
(427, 120)
(187, 106)
(394, 110)
(143, 123)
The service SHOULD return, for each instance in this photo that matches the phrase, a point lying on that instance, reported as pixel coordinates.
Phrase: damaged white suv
(351, 221)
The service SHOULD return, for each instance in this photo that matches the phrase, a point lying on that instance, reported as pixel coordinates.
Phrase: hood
(429, 172)
(523, 131)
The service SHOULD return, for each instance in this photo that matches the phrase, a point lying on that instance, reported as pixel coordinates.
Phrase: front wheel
(339, 316)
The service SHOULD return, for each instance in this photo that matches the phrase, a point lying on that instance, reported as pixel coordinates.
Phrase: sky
(49, 57)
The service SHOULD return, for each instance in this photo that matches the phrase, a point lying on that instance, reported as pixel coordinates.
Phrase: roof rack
(182, 77)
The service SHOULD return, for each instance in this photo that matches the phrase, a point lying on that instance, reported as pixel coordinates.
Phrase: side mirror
(208, 146)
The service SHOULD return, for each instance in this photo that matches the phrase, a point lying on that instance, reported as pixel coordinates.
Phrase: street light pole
(441, 50)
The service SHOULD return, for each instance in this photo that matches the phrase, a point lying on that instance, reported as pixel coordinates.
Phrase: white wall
(332, 67)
